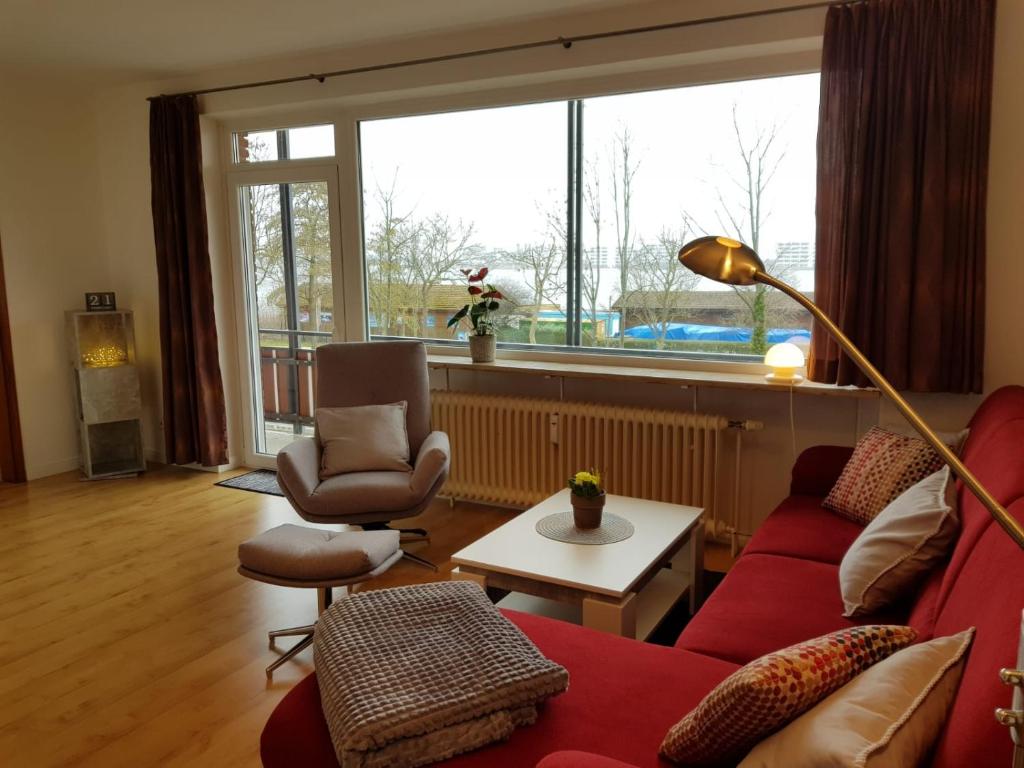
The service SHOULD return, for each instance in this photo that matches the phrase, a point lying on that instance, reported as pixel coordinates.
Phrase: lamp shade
(784, 359)
(722, 259)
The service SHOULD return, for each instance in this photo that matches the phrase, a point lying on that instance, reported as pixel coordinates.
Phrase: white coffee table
(625, 588)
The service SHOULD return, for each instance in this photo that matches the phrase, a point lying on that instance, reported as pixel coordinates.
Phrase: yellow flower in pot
(587, 497)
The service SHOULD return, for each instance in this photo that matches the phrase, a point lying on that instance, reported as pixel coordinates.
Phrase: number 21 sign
(100, 302)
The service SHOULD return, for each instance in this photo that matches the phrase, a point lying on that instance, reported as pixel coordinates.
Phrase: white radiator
(517, 451)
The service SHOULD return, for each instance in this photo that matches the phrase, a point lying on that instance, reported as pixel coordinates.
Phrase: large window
(579, 208)
(465, 190)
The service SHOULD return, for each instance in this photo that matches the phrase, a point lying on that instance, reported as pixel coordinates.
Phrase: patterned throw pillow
(882, 467)
(771, 691)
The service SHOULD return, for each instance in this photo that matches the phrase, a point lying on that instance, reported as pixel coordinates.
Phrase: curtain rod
(565, 42)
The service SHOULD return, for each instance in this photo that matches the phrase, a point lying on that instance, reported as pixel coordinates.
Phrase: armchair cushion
(431, 462)
(360, 492)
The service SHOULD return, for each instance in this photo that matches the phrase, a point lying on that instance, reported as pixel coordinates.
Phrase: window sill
(629, 372)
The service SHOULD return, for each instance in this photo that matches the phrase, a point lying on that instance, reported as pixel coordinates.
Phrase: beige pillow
(900, 546)
(363, 438)
(889, 715)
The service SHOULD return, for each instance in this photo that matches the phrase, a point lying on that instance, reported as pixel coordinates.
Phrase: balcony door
(288, 240)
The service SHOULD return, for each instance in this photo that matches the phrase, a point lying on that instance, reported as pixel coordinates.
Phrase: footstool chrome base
(284, 555)
(324, 597)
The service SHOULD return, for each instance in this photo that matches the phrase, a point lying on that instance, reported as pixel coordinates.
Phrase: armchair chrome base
(408, 536)
(419, 560)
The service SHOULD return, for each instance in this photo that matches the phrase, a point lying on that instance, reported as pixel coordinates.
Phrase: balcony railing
(288, 377)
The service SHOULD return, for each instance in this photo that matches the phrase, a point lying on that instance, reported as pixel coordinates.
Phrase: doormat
(257, 481)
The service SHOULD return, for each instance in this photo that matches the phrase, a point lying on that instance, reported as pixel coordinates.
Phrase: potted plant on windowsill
(483, 303)
(587, 498)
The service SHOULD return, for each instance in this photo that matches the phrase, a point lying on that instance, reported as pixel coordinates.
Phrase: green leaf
(458, 316)
(493, 306)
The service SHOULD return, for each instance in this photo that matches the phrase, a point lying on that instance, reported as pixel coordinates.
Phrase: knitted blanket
(412, 675)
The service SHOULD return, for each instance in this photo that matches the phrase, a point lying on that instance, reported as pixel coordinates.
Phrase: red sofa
(624, 695)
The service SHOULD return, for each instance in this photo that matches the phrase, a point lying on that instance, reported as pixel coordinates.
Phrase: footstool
(298, 556)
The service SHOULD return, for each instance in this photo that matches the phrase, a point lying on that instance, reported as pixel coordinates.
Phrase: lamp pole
(1005, 520)
(729, 261)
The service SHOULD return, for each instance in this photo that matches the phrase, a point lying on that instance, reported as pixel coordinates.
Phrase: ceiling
(135, 39)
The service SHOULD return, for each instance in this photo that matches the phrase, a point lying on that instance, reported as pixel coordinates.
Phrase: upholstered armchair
(374, 373)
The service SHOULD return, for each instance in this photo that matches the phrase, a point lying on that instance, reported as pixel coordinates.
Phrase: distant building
(798, 255)
(598, 257)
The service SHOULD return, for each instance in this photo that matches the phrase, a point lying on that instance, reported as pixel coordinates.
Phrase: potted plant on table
(587, 497)
(483, 303)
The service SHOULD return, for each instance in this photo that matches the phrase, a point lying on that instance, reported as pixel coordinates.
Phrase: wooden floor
(126, 636)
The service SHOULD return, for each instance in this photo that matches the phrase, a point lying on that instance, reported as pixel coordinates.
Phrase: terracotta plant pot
(586, 510)
(481, 348)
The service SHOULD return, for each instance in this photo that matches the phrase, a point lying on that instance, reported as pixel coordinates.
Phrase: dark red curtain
(902, 175)
(195, 425)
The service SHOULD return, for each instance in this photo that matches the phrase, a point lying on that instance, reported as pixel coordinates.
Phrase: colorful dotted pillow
(883, 466)
(769, 692)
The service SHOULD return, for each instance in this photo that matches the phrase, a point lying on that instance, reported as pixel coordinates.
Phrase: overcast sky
(500, 168)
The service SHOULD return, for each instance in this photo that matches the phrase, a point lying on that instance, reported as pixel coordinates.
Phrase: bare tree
(387, 256)
(659, 286)
(312, 249)
(590, 269)
(438, 249)
(542, 265)
(263, 220)
(624, 166)
(743, 215)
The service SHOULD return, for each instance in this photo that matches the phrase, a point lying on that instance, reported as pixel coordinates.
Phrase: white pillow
(896, 549)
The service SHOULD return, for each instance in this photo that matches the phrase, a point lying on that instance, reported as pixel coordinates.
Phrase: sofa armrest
(817, 469)
(298, 467)
(574, 759)
(431, 461)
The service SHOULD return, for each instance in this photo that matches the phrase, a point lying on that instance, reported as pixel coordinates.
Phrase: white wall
(120, 251)
(53, 249)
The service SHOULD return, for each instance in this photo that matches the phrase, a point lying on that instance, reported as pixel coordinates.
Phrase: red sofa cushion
(768, 602)
(800, 527)
(983, 586)
(817, 469)
(989, 595)
(574, 759)
(606, 674)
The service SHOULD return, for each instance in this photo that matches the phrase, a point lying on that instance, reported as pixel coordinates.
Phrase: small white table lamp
(784, 360)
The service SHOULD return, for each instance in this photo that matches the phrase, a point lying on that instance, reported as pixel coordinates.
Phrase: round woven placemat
(560, 527)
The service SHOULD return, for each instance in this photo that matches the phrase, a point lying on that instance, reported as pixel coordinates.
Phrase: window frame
(245, 316)
(347, 114)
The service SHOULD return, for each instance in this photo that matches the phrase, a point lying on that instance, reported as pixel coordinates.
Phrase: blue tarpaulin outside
(695, 332)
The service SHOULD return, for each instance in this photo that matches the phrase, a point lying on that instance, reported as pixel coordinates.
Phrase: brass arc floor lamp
(733, 263)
